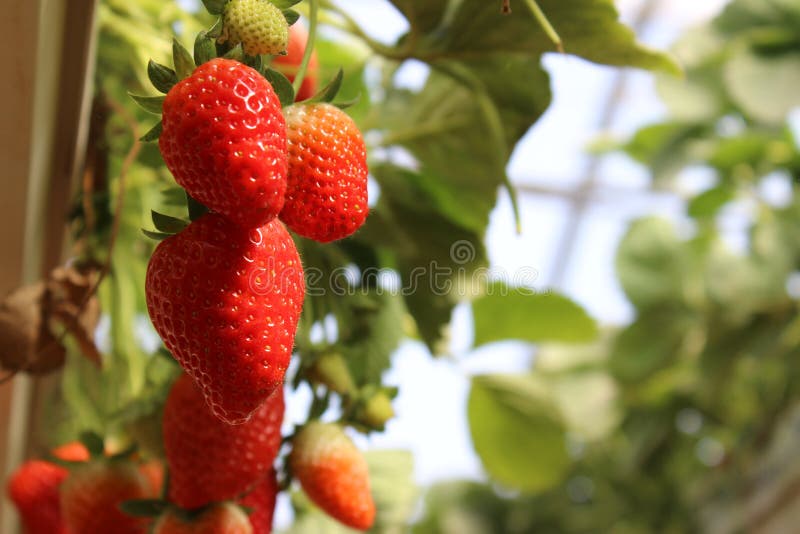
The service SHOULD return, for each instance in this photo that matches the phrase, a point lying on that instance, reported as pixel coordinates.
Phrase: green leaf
(151, 104)
(649, 263)
(329, 92)
(184, 64)
(163, 78)
(215, 7)
(391, 475)
(282, 86)
(764, 85)
(422, 16)
(204, 48)
(152, 134)
(505, 312)
(477, 29)
(708, 203)
(517, 432)
(651, 343)
(168, 224)
(291, 16)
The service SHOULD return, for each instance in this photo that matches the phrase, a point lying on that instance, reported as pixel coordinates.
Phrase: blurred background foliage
(674, 423)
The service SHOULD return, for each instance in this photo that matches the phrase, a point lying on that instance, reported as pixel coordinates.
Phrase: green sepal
(291, 16)
(144, 507)
(184, 64)
(167, 224)
(235, 53)
(329, 92)
(158, 236)
(215, 7)
(163, 78)
(282, 86)
(151, 104)
(344, 104)
(254, 62)
(204, 48)
(216, 30)
(153, 134)
(285, 4)
(196, 209)
(93, 443)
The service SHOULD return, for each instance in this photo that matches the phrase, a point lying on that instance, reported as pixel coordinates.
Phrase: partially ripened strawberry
(333, 473)
(326, 194)
(222, 518)
(34, 490)
(261, 502)
(92, 493)
(290, 63)
(224, 140)
(226, 302)
(258, 25)
(213, 461)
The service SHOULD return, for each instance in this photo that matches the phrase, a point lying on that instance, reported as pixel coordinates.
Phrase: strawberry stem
(312, 39)
(541, 18)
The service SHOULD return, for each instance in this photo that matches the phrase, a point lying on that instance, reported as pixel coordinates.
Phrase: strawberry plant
(278, 170)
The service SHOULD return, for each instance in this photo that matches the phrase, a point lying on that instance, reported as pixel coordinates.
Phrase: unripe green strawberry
(222, 518)
(333, 473)
(258, 25)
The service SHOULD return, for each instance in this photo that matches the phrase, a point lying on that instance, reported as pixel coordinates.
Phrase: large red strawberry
(213, 461)
(261, 500)
(326, 196)
(226, 303)
(222, 518)
(92, 493)
(288, 64)
(333, 473)
(34, 490)
(224, 140)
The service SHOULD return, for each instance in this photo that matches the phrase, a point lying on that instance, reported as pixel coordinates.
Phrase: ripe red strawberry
(261, 500)
(34, 489)
(326, 196)
(91, 494)
(224, 140)
(333, 474)
(222, 518)
(288, 64)
(74, 451)
(210, 460)
(226, 303)
(258, 25)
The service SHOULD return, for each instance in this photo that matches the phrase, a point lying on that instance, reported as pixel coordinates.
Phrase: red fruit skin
(91, 494)
(288, 64)
(210, 460)
(224, 140)
(153, 471)
(261, 500)
(326, 196)
(226, 303)
(34, 490)
(74, 451)
(223, 518)
(334, 474)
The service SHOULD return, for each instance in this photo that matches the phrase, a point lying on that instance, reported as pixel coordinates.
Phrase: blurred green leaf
(708, 203)
(505, 312)
(517, 432)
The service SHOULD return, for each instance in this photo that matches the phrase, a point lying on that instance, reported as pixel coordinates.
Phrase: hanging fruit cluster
(225, 292)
